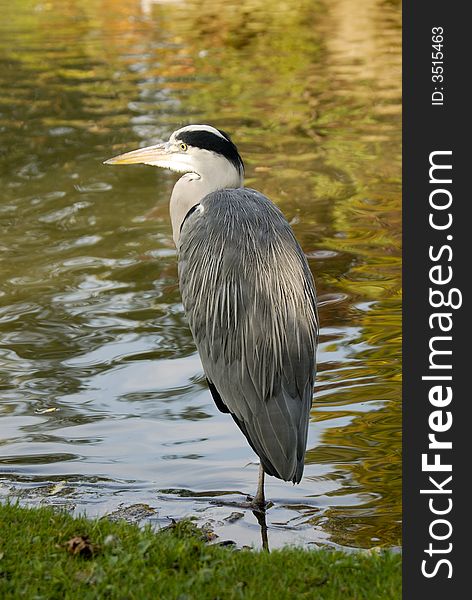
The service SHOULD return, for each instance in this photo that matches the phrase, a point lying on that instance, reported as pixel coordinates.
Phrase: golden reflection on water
(94, 350)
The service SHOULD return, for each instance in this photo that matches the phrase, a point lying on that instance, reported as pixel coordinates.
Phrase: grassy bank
(39, 558)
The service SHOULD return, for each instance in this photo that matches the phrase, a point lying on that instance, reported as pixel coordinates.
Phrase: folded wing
(250, 301)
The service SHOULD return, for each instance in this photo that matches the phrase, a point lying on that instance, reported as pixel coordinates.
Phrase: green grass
(132, 563)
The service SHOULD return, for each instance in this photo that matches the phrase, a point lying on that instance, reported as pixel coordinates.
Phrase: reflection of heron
(248, 295)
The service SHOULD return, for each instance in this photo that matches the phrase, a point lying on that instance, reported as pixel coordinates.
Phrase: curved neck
(191, 188)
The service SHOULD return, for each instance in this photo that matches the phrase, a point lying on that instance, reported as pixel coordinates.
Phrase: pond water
(103, 403)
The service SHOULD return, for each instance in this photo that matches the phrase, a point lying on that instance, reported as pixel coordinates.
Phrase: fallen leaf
(58, 487)
(81, 546)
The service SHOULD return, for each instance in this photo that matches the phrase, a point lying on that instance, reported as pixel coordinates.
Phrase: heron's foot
(259, 504)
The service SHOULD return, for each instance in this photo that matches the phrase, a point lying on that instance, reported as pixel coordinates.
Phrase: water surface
(103, 400)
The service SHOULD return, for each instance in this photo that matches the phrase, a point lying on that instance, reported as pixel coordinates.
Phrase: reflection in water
(103, 402)
(261, 519)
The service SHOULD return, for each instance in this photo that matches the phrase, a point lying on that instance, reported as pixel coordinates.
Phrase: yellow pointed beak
(148, 156)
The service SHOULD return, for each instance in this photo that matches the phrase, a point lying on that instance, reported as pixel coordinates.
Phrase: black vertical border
(428, 128)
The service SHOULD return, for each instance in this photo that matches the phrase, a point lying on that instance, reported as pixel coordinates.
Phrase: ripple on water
(94, 186)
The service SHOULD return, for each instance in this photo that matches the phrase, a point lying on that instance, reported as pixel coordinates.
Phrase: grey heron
(248, 295)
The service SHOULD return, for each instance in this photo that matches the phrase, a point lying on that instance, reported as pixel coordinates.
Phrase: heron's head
(200, 149)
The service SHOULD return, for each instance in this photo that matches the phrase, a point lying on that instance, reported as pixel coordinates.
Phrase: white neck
(191, 188)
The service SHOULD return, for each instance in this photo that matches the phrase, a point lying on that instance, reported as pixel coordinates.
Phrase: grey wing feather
(250, 301)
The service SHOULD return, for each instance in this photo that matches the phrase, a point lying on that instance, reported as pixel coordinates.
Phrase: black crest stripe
(213, 142)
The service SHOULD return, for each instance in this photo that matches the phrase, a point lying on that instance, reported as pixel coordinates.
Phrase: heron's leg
(259, 499)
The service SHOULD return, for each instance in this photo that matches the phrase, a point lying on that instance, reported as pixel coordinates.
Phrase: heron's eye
(183, 146)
